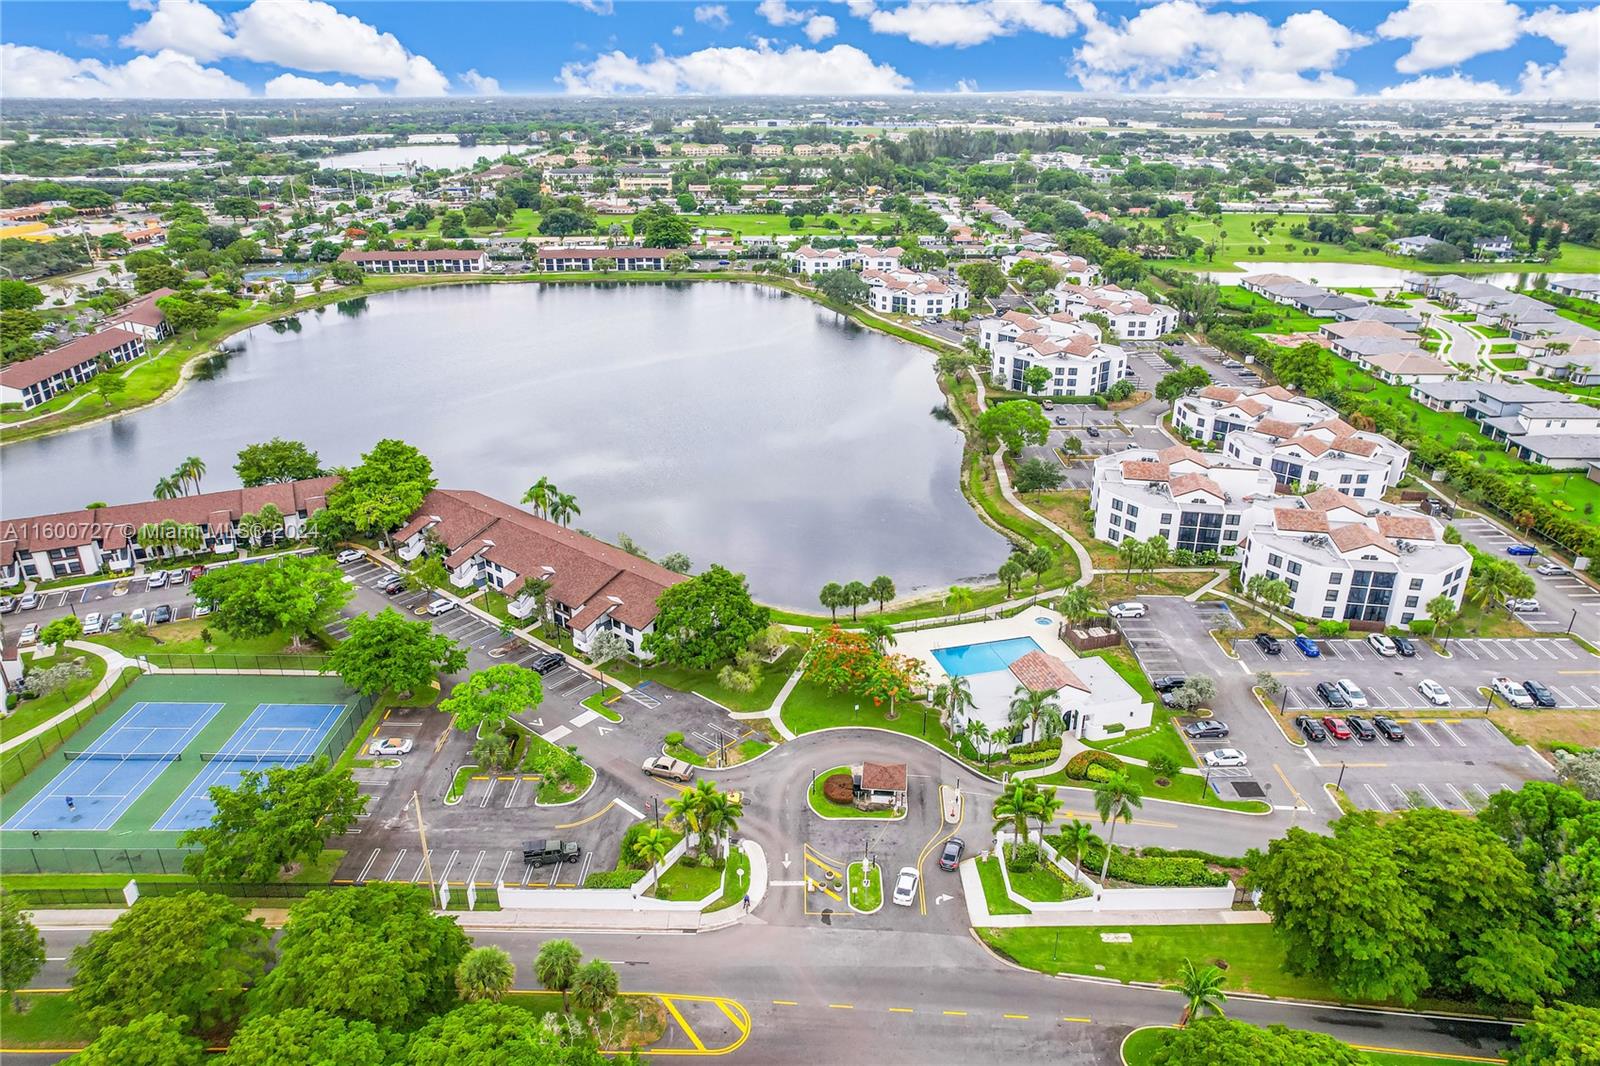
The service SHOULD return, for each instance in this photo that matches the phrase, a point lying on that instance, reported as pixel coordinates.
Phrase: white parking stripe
(395, 866)
(1405, 800)
(1464, 646)
(1543, 648)
(1424, 731)
(1376, 799)
(1481, 791)
(1428, 795)
(500, 874)
(1461, 801)
(1451, 733)
(362, 876)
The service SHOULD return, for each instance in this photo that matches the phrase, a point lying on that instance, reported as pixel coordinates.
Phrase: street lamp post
(1572, 621)
(1340, 782)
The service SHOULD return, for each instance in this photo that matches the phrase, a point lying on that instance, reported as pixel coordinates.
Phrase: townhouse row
(123, 338)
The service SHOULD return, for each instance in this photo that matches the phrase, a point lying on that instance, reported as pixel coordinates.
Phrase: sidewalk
(978, 912)
(116, 662)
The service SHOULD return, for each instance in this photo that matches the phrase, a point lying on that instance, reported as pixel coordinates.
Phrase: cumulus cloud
(840, 70)
(298, 34)
(816, 27)
(1181, 47)
(1446, 32)
(962, 24)
(28, 71)
(295, 87)
(715, 15)
(1456, 86)
(480, 84)
(1577, 75)
(596, 7)
(821, 27)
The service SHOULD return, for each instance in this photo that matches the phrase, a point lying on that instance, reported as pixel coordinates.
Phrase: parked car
(92, 623)
(547, 662)
(1521, 549)
(1352, 692)
(7, 604)
(1388, 727)
(202, 608)
(1512, 692)
(1131, 609)
(1404, 646)
(905, 887)
(30, 634)
(1311, 728)
(349, 555)
(392, 746)
(29, 601)
(1382, 645)
(1093, 431)
(1049, 405)
(177, 577)
(441, 606)
(138, 616)
(1336, 727)
(548, 852)
(1206, 729)
(668, 769)
(1269, 644)
(1061, 420)
(1308, 647)
(1358, 725)
(1329, 694)
(1433, 692)
(114, 623)
(161, 615)
(1168, 682)
(950, 858)
(1540, 693)
(1522, 606)
(157, 579)
(1225, 757)
(1553, 570)
(394, 587)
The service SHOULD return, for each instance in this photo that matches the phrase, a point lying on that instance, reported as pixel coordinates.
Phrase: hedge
(1049, 744)
(1238, 861)
(1079, 767)
(1156, 871)
(1032, 758)
(613, 878)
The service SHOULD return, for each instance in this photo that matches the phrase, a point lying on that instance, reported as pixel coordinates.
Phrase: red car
(1336, 727)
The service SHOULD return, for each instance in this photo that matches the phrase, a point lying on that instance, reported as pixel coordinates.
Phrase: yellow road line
(785, 1003)
(901, 1010)
(683, 1023)
(592, 817)
(1016, 1017)
(1426, 1054)
(742, 1026)
(841, 1006)
(1296, 792)
(956, 1013)
(1080, 1021)
(823, 859)
(939, 837)
(1067, 812)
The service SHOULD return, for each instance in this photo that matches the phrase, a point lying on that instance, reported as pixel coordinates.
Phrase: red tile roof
(143, 311)
(1145, 470)
(1038, 672)
(74, 352)
(1358, 535)
(1194, 483)
(1406, 527)
(1332, 499)
(350, 255)
(1294, 520)
(883, 777)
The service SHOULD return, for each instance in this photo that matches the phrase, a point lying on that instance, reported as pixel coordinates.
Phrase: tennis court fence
(487, 897)
(227, 663)
(17, 762)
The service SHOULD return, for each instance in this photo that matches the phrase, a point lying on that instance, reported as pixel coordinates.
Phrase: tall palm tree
(1045, 809)
(978, 733)
(690, 805)
(720, 813)
(563, 506)
(1076, 604)
(539, 494)
(1076, 835)
(167, 489)
(485, 973)
(652, 845)
(958, 599)
(1030, 706)
(879, 633)
(958, 697)
(556, 965)
(1115, 798)
(1015, 806)
(594, 986)
(193, 469)
(1202, 991)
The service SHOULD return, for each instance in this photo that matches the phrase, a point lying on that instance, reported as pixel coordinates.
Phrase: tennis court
(275, 734)
(101, 781)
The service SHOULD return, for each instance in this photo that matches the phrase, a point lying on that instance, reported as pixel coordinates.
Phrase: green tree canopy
(158, 1039)
(499, 1034)
(1222, 1042)
(270, 820)
(983, 278)
(300, 1035)
(706, 620)
(384, 489)
(193, 954)
(388, 651)
(295, 593)
(1016, 423)
(485, 973)
(21, 946)
(842, 286)
(375, 952)
(1563, 1035)
(490, 696)
(276, 460)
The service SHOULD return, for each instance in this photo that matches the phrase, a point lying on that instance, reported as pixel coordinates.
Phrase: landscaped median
(1139, 1048)
(866, 890)
(832, 796)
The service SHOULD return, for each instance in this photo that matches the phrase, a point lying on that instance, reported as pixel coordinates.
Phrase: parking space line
(500, 874)
(1429, 794)
(1451, 733)
(362, 876)
(394, 867)
(1382, 806)
(516, 783)
(421, 865)
(1460, 799)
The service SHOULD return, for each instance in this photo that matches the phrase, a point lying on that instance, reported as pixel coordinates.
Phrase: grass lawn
(596, 702)
(1284, 319)
(686, 879)
(828, 809)
(1543, 728)
(1142, 1044)
(685, 679)
(994, 889)
(552, 791)
(811, 707)
(866, 894)
(1112, 587)
(318, 872)
(458, 784)
(752, 225)
(1066, 509)
(1160, 737)
(30, 713)
(1044, 884)
(735, 880)
(686, 753)
(184, 638)
(50, 1020)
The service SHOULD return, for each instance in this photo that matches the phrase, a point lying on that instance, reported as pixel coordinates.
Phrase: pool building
(998, 656)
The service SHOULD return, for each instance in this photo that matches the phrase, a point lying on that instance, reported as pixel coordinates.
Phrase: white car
(202, 608)
(1226, 757)
(138, 616)
(1382, 645)
(1433, 692)
(1511, 691)
(441, 606)
(1131, 609)
(1353, 693)
(391, 746)
(1552, 570)
(30, 634)
(158, 580)
(349, 555)
(1528, 606)
(905, 887)
(92, 623)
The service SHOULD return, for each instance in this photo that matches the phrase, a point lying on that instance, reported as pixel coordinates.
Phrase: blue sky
(1456, 49)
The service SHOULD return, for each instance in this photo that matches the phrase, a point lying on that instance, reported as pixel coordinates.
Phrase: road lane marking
(1080, 1021)
(784, 1003)
(688, 1030)
(841, 1006)
(956, 1013)
(1016, 1017)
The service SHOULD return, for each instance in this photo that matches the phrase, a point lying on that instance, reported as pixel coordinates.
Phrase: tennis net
(124, 756)
(254, 756)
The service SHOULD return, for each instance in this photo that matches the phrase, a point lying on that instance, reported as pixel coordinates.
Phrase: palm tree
(1076, 604)
(563, 506)
(192, 469)
(1076, 835)
(1015, 807)
(1115, 798)
(652, 845)
(879, 633)
(1045, 809)
(1491, 584)
(556, 965)
(689, 805)
(978, 733)
(958, 599)
(168, 489)
(594, 986)
(832, 597)
(485, 973)
(539, 494)
(1202, 991)
(720, 813)
(1029, 707)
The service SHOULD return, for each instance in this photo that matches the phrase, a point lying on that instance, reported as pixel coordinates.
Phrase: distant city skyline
(1490, 50)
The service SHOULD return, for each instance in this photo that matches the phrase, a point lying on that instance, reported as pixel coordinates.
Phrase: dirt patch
(840, 789)
(1543, 728)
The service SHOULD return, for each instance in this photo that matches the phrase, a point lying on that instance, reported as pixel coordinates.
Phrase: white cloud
(1181, 47)
(821, 27)
(294, 87)
(959, 23)
(1455, 86)
(966, 85)
(842, 70)
(1446, 32)
(677, 31)
(816, 27)
(298, 34)
(713, 15)
(1577, 76)
(27, 71)
(480, 84)
(596, 7)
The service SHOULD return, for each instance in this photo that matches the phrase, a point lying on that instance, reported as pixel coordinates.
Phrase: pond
(406, 158)
(1361, 275)
(735, 423)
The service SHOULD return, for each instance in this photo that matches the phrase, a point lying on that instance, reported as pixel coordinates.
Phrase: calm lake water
(734, 423)
(408, 157)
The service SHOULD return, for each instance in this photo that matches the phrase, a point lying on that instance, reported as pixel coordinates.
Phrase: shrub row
(1156, 871)
(1020, 858)
(612, 878)
(1049, 744)
(1214, 859)
(1081, 766)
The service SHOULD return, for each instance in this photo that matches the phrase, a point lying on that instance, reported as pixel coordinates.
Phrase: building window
(1274, 559)
(1411, 601)
(1232, 520)
(1334, 579)
(1416, 583)
(1327, 612)
(1294, 567)
(1331, 596)
(1116, 505)
(1133, 510)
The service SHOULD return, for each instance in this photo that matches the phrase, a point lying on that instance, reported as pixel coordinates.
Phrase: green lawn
(186, 638)
(1045, 884)
(50, 1020)
(685, 679)
(751, 225)
(1142, 1044)
(1161, 737)
(687, 879)
(828, 809)
(458, 783)
(553, 792)
(865, 894)
(994, 889)
(30, 713)
(1285, 319)
(596, 702)
(811, 707)
(735, 880)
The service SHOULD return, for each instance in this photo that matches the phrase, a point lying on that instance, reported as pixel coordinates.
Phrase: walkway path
(116, 662)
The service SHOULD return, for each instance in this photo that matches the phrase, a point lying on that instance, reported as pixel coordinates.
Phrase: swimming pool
(967, 659)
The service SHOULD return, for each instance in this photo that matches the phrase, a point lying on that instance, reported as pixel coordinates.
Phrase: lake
(408, 157)
(1361, 275)
(738, 424)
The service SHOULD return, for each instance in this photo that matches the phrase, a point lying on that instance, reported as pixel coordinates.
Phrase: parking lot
(1566, 603)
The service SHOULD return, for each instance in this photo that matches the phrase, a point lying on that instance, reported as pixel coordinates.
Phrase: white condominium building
(1079, 362)
(1133, 315)
(910, 293)
(1190, 499)
(1075, 269)
(808, 260)
(1355, 560)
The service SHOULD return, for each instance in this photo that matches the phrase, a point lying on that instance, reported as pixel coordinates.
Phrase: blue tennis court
(101, 782)
(275, 734)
